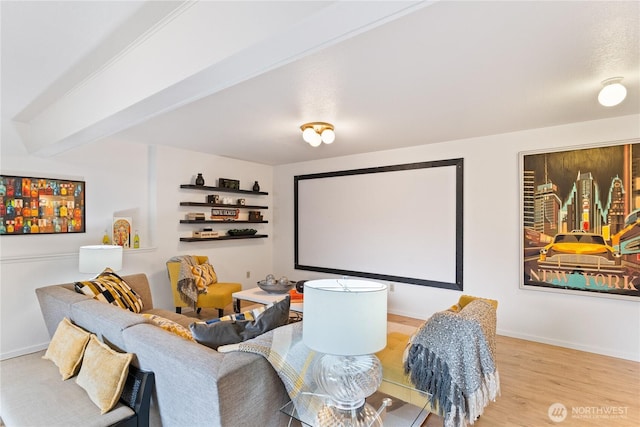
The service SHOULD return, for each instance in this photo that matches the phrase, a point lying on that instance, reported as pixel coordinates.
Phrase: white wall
(125, 176)
(121, 177)
(491, 239)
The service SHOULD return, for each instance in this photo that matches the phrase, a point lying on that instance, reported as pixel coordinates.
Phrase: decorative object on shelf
(242, 232)
(136, 240)
(199, 179)
(121, 231)
(213, 198)
(255, 216)
(195, 216)
(241, 202)
(612, 93)
(315, 133)
(205, 234)
(106, 240)
(256, 186)
(225, 214)
(233, 184)
(349, 371)
(95, 258)
(273, 286)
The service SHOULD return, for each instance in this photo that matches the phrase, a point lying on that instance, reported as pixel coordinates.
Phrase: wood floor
(596, 390)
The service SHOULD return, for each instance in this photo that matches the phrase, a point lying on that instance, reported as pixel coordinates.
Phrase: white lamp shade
(612, 94)
(95, 258)
(345, 317)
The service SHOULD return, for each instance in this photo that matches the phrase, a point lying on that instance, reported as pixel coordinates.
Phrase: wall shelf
(223, 206)
(219, 221)
(223, 189)
(208, 239)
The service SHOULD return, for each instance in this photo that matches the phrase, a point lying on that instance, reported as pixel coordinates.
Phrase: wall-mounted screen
(32, 205)
(400, 223)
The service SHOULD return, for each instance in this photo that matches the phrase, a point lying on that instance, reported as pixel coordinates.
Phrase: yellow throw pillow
(466, 299)
(169, 326)
(204, 274)
(103, 374)
(67, 347)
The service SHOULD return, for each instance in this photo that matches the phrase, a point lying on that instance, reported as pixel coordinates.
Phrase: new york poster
(580, 213)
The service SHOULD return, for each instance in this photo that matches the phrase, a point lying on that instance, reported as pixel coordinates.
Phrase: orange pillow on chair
(204, 275)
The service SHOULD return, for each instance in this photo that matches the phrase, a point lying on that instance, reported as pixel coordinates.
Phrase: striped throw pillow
(110, 288)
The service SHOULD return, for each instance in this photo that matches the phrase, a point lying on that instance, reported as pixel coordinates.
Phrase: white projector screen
(399, 223)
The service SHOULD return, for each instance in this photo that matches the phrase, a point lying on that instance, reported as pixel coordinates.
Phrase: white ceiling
(386, 74)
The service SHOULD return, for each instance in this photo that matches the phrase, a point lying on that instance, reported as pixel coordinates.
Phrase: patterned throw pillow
(204, 274)
(169, 326)
(247, 315)
(110, 288)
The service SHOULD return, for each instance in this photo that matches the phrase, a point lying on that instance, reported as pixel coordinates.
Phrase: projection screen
(401, 223)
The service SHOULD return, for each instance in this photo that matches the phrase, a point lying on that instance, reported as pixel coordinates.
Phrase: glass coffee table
(399, 405)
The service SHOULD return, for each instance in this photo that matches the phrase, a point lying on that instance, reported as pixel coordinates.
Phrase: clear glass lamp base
(347, 381)
(365, 416)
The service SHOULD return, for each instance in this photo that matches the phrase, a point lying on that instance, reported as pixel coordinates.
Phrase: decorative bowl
(242, 232)
(277, 287)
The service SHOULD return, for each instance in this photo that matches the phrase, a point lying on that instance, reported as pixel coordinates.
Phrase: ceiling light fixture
(612, 93)
(315, 133)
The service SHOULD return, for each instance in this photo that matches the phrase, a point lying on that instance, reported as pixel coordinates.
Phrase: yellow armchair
(218, 294)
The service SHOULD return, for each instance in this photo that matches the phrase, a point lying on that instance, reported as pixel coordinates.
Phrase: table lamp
(346, 319)
(95, 258)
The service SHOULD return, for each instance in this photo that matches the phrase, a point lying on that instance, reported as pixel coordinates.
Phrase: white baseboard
(23, 351)
(567, 344)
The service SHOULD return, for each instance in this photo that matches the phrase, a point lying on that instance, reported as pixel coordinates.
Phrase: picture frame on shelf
(121, 231)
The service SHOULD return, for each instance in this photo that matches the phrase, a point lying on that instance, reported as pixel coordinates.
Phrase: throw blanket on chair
(452, 357)
(293, 361)
(186, 282)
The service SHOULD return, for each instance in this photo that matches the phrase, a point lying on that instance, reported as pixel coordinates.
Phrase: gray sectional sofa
(194, 385)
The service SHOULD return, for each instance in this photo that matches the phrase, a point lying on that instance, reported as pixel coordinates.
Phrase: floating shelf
(221, 205)
(219, 221)
(208, 239)
(226, 190)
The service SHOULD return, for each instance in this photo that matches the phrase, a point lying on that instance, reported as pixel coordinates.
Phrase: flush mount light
(612, 92)
(315, 133)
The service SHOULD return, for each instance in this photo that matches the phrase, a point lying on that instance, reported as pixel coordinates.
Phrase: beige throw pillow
(103, 374)
(67, 347)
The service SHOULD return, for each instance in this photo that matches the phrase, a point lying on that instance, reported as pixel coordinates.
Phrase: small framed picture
(213, 198)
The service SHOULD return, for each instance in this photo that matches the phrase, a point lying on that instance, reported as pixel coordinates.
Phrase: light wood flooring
(534, 376)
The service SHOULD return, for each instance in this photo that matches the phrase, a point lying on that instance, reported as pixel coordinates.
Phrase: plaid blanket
(293, 361)
(452, 357)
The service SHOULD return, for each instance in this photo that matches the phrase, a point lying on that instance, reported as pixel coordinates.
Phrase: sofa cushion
(67, 348)
(103, 374)
(110, 288)
(234, 331)
(32, 390)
